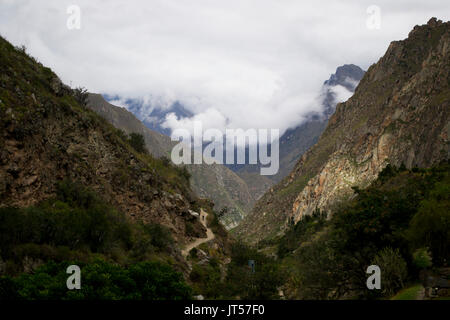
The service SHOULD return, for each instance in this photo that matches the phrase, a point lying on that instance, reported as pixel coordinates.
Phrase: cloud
(239, 63)
(341, 93)
(210, 118)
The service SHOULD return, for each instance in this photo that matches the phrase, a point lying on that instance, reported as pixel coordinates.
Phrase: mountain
(216, 182)
(347, 76)
(153, 115)
(293, 143)
(77, 191)
(158, 144)
(399, 114)
(48, 135)
(296, 141)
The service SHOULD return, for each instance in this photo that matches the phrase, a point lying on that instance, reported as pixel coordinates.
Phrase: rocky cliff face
(399, 114)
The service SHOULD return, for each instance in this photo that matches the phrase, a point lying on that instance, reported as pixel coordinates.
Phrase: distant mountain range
(251, 184)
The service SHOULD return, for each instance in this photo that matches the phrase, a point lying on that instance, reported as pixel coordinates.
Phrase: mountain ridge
(47, 136)
(399, 115)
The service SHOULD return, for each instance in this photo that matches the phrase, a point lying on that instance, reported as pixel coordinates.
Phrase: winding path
(209, 235)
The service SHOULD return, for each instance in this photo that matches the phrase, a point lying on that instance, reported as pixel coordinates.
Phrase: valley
(363, 181)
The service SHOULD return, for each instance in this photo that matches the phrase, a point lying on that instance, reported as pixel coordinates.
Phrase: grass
(411, 293)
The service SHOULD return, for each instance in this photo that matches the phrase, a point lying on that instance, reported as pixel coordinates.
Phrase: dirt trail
(209, 235)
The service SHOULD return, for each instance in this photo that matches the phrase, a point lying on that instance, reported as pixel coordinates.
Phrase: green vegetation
(401, 223)
(422, 258)
(100, 281)
(239, 280)
(77, 223)
(394, 270)
(300, 233)
(119, 259)
(206, 279)
(411, 293)
(136, 140)
(261, 284)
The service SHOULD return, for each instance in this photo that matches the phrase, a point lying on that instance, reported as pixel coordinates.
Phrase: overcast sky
(235, 63)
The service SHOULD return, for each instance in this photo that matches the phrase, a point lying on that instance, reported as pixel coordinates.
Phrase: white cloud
(210, 118)
(239, 63)
(341, 93)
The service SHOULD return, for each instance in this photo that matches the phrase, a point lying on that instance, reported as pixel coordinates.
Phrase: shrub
(422, 258)
(160, 235)
(393, 270)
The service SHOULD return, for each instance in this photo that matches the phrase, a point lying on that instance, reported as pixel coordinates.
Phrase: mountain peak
(347, 75)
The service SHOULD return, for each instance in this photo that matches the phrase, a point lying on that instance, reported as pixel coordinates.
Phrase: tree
(81, 95)
(430, 226)
(422, 258)
(137, 141)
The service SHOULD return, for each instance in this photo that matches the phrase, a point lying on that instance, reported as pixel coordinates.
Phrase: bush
(160, 236)
(393, 270)
(422, 258)
(184, 173)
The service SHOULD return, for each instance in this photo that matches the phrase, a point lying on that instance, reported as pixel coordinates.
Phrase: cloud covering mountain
(247, 64)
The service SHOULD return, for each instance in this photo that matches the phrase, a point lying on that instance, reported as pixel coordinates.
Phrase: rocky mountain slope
(399, 114)
(215, 182)
(47, 135)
